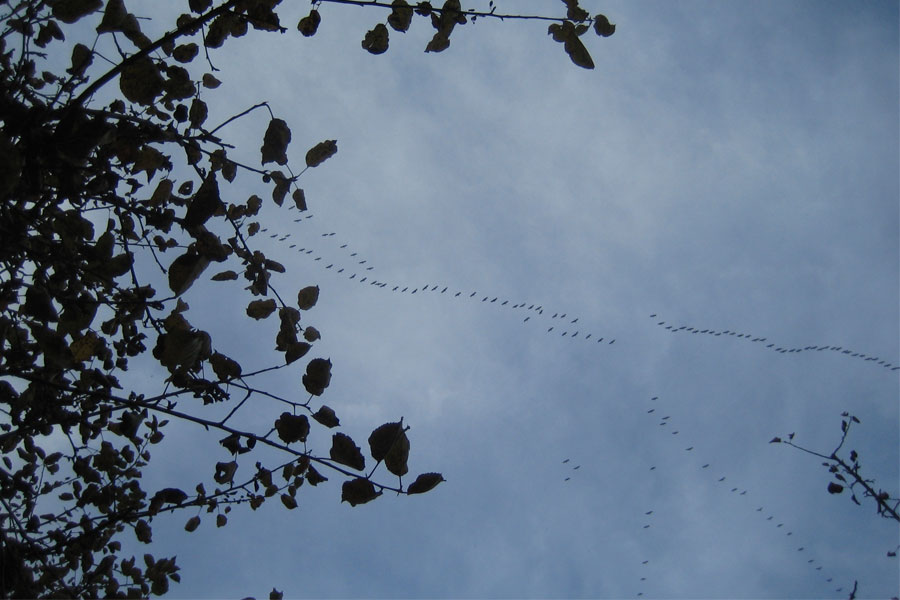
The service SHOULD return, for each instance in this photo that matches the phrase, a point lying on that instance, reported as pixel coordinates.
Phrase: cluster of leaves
(845, 473)
(566, 30)
(99, 204)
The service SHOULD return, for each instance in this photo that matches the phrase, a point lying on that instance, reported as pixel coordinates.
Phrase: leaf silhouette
(275, 142)
(292, 428)
(307, 297)
(358, 491)
(318, 376)
(401, 15)
(322, 151)
(185, 270)
(424, 483)
(309, 24)
(346, 452)
(376, 40)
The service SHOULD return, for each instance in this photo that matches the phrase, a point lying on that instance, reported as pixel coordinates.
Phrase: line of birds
(666, 421)
(773, 346)
(362, 272)
(559, 322)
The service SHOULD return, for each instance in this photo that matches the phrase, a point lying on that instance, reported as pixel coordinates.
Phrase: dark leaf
(225, 368)
(299, 199)
(82, 57)
(358, 491)
(318, 376)
(185, 53)
(260, 309)
(205, 203)
(295, 351)
(290, 503)
(192, 523)
(225, 276)
(401, 15)
(578, 52)
(346, 452)
(225, 472)
(322, 151)
(314, 477)
(775, 440)
(185, 270)
(307, 297)
(141, 82)
(292, 428)
(603, 27)
(275, 142)
(835, 488)
(327, 417)
(311, 334)
(439, 42)
(310, 23)
(376, 40)
(275, 594)
(113, 17)
(424, 483)
(70, 11)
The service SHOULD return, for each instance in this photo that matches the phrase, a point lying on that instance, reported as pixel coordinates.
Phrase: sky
(727, 167)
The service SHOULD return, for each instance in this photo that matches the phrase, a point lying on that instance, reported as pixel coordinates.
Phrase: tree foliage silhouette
(111, 187)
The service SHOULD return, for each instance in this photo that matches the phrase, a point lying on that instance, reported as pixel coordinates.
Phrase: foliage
(111, 184)
(846, 475)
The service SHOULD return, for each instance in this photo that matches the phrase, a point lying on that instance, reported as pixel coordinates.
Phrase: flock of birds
(357, 268)
(783, 349)
(655, 408)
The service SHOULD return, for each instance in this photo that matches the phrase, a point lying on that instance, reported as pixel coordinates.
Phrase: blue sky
(729, 167)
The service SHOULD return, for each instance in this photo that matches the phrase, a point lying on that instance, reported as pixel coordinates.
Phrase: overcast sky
(729, 167)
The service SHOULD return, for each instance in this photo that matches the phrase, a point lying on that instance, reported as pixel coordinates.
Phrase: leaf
(376, 39)
(225, 368)
(82, 57)
(309, 24)
(326, 417)
(289, 502)
(311, 334)
(292, 428)
(170, 496)
(318, 376)
(358, 491)
(346, 452)
(299, 199)
(210, 82)
(224, 276)
(276, 595)
(275, 142)
(225, 472)
(295, 351)
(113, 17)
(197, 113)
(438, 43)
(775, 440)
(282, 185)
(322, 151)
(603, 27)
(185, 270)
(192, 523)
(314, 477)
(401, 15)
(260, 309)
(141, 82)
(578, 52)
(205, 203)
(307, 297)
(424, 483)
(835, 488)
(83, 348)
(382, 439)
(143, 532)
(70, 11)
(185, 53)
(221, 520)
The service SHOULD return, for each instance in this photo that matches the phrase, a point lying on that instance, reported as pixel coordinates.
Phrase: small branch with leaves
(846, 472)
